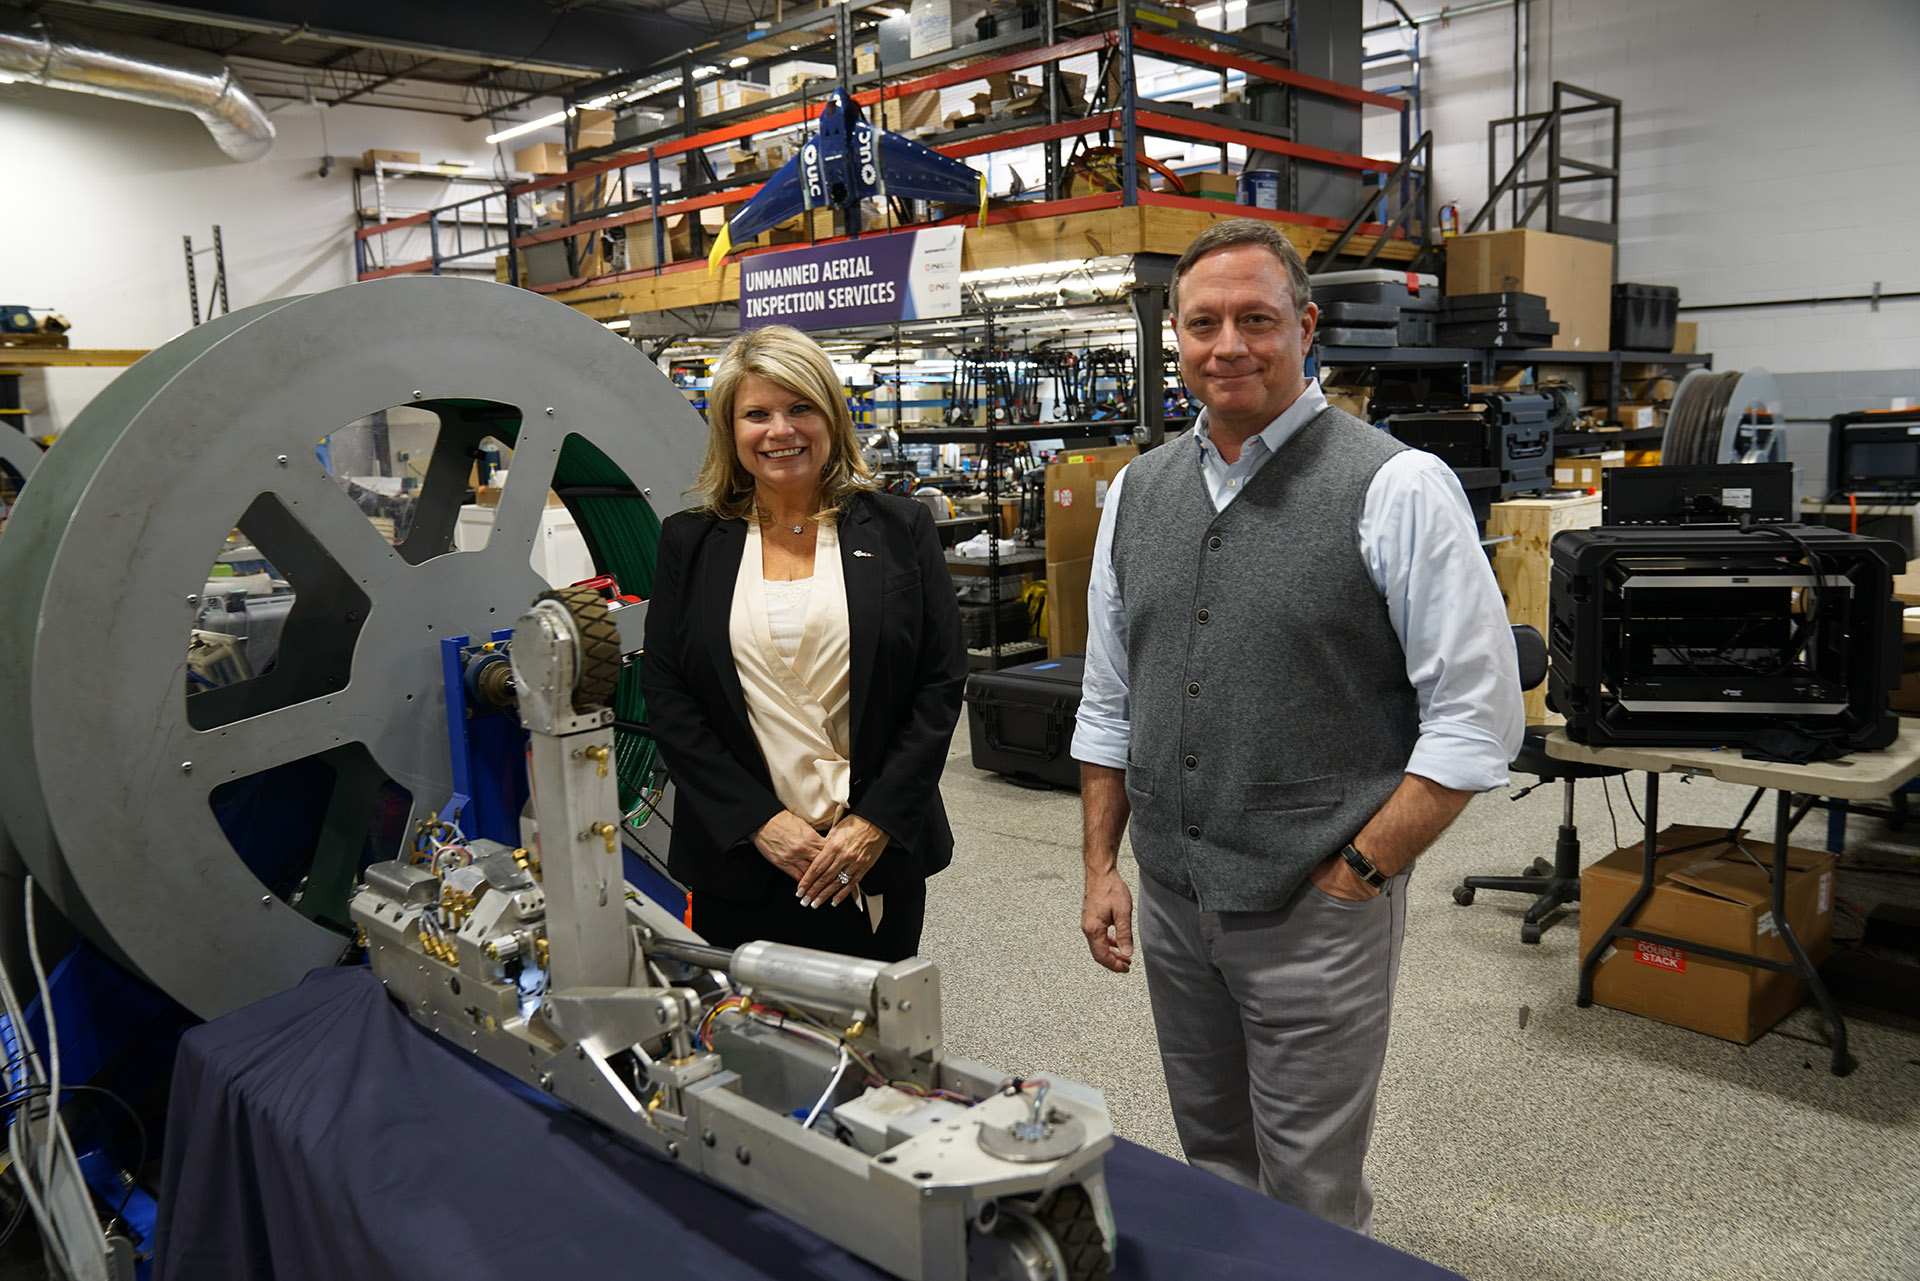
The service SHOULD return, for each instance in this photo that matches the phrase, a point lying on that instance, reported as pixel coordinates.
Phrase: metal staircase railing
(1561, 169)
(1412, 183)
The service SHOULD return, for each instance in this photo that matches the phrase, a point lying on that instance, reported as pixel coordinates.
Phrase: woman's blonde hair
(780, 354)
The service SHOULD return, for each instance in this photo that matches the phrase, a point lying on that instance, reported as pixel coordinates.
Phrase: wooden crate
(1524, 566)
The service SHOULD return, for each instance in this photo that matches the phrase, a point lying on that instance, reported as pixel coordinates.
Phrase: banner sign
(875, 280)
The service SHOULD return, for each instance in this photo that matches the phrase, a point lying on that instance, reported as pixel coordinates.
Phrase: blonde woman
(803, 671)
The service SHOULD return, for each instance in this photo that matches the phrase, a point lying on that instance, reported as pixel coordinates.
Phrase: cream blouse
(800, 708)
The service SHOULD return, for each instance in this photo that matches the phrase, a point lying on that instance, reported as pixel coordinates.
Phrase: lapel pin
(861, 553)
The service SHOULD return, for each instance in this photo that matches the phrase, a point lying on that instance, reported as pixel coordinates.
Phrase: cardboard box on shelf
(1686, 337)
(1583, 471)
(792, 77)
(726, 95)
(1351, 399)
(1633, 417)
(541, 157)
(743, 158)
(866, 58)
(640, 252)
(1575, 276)
(680, 246)
(1067, 583)
(794, 231)
(1076, 491)
(592, 127)
(1212, 184)
(1643, 457)
(1717, 897)
(374, 155)
(911, 112)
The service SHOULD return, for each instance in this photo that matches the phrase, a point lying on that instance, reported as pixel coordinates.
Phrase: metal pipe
(148, 72)
(1447, 14)
(701, 954)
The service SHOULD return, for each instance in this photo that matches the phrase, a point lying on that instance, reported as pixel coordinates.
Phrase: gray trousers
(1273, 1030)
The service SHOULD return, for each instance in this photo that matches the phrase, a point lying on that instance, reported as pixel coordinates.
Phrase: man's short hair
(1246, 231)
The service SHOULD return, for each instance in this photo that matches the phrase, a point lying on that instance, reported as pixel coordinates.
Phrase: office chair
(1557, 883)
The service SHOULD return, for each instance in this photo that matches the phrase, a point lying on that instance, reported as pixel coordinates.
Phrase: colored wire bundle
(441, 846)
(27, 1079)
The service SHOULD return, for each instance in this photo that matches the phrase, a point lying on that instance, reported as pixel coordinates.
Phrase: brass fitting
(540, 951)
(599, 753)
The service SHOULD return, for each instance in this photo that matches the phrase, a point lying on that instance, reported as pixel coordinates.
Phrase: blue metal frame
(486, 752)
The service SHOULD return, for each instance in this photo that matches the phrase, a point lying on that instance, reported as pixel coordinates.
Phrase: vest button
(1203, 616)
(1193, 762)
(1193, 690)
(1193, 833)
(1213, 544)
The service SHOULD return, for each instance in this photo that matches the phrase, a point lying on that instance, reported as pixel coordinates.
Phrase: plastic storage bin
(1020, 721)
(1644, 317)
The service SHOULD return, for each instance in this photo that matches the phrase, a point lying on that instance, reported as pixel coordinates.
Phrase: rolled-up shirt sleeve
(1423, 551)
(1102, 729)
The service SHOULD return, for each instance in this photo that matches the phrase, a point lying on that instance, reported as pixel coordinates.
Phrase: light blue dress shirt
(1422, 551)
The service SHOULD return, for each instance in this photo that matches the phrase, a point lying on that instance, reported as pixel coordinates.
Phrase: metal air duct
(135, 70)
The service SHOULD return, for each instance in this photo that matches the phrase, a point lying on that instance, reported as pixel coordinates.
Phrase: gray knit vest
(1270, 708)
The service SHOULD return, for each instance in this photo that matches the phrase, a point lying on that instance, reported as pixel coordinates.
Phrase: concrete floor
(1518, 1135)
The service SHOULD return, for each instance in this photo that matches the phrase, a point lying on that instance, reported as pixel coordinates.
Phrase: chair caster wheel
(1537, 869)
(1463, 895)
(1530, 932)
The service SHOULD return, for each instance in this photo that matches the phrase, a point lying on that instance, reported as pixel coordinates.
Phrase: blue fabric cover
(320, 1134)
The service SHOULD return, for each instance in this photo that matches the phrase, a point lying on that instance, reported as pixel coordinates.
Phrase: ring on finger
(845, 879)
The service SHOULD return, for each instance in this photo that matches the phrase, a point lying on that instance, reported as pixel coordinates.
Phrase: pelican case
(1020, 721)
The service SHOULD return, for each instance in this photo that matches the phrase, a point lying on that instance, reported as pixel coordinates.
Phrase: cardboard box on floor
(1575, 276)
(1076, 491)
(1716, 896)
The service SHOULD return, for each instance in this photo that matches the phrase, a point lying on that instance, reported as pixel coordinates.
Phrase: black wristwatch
(1363, 867)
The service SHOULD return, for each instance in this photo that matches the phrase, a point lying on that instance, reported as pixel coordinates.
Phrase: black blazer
(908, 667)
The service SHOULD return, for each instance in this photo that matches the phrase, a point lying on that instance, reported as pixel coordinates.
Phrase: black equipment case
(1698, 636)
(1020, 720)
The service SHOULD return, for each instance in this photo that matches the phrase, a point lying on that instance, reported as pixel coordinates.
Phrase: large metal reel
(1724, 416)
(107, 783)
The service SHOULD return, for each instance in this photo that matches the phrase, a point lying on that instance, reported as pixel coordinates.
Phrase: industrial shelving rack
(622, 184)
(1484, 364)
(463, 236)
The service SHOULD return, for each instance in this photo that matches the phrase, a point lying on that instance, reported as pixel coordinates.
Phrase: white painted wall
(1771, 150)
(99, 193)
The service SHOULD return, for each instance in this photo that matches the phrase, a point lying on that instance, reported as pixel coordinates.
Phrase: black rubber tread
(1069, 1218)
(599, 646)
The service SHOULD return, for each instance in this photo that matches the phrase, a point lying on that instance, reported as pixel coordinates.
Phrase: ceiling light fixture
(542, 123)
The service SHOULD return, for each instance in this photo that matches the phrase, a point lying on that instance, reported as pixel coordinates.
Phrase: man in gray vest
(1299, 670)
